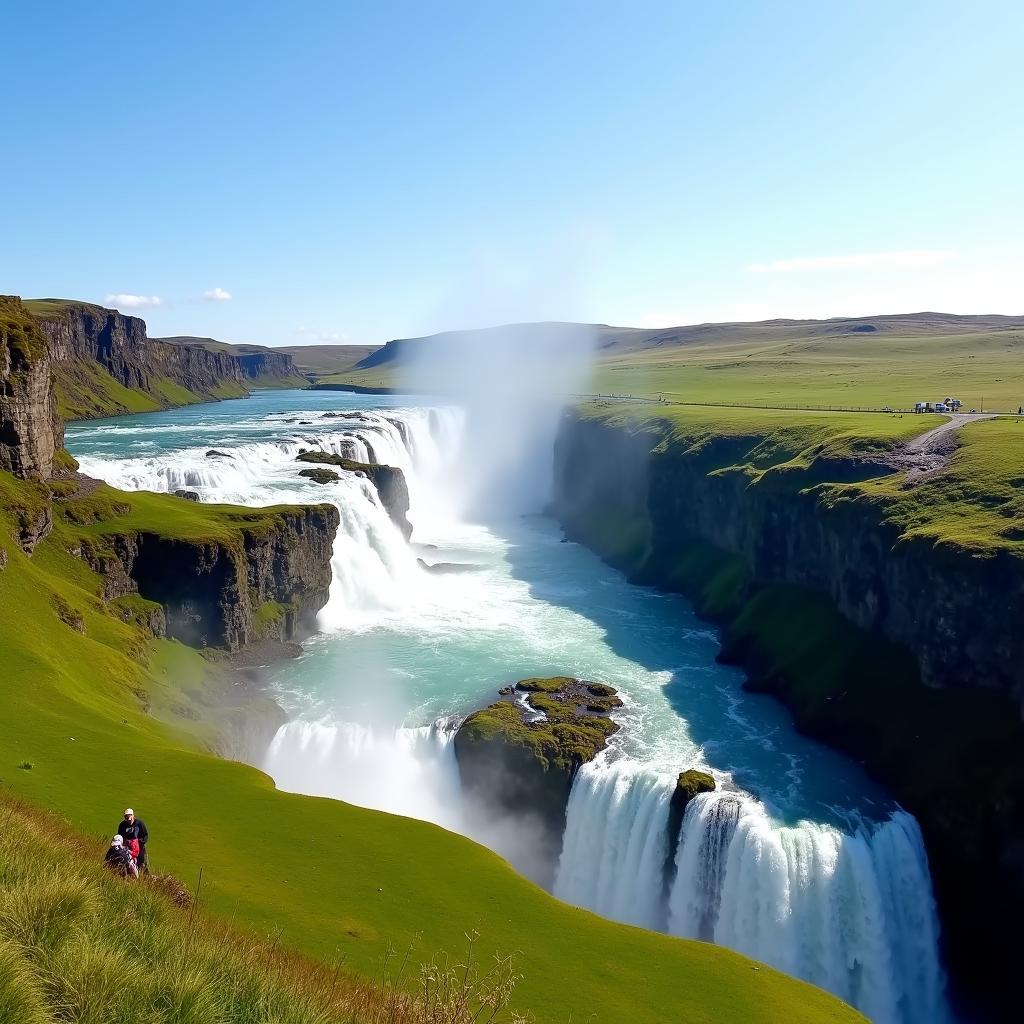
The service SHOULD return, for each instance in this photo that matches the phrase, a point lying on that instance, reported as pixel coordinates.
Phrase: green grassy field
(976, 502)
(983, 370)
(806, 363)
(97, 716)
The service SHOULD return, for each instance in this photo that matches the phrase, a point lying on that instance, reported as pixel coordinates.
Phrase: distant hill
(325, 359)
(261, 366)
(610, 340)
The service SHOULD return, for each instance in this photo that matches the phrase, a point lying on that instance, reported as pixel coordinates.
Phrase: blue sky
(362, 171)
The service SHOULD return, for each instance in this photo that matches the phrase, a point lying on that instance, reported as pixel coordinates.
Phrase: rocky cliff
(260, 366)
(906, 654)
(223, 578)
(389, 482)
(31, 432)
(96, 353)
(786, 530)
(264, 579)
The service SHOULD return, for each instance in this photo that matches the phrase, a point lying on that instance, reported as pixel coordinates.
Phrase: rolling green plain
(901, 361)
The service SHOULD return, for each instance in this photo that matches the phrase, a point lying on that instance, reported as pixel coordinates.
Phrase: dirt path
(925, 455)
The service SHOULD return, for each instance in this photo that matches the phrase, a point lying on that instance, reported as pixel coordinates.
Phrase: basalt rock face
(30, 429)
(520, 755)
(265, 365)
(934, 603)
(269, 587)
(80, 335)
(258, 365)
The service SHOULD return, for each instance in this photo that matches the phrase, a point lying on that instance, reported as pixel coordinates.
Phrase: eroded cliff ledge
(222, 577)
(904, 652)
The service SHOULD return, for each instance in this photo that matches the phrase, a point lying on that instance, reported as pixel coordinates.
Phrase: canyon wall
(905, 654)
(30, 430)
(266, 583)
(82, 338)
(259, 366)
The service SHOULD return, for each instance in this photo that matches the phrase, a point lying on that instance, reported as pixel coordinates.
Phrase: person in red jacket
(119, 860)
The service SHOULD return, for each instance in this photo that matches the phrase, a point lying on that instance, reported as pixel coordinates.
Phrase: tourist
(119, 860)
(135, 828)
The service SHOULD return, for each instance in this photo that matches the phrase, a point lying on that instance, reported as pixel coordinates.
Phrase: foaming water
(797, 859)
(850, 911)
(404, 770)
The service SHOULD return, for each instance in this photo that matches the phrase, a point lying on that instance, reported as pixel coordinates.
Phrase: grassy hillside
(77, 943)
(979, 367)
(97, 715)
(85, 390)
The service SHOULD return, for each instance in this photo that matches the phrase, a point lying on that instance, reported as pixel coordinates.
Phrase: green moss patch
(320, 476)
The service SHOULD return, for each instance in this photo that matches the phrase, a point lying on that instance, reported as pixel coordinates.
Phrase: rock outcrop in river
(521, 754)
(389, 482)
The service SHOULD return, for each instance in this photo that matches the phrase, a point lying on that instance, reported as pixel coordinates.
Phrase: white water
(408, 770)
(818, 877)
(850, 911)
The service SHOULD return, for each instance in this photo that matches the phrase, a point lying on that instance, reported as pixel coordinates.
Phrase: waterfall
(373, 568)
(851, 911)
(614, 847)
(410, 771)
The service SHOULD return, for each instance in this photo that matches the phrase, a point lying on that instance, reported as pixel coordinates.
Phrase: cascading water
(839, 895)
(851, 911)
(372, 565)
(404, 770)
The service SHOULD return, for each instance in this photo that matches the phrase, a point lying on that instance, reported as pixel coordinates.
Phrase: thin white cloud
(313, 334)
(905, 259)
(216, 295)
(122, 300)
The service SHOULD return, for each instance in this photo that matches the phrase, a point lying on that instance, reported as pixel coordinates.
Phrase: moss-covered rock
(690, 784)
(320, 476)
(520, 755)
(388, 480)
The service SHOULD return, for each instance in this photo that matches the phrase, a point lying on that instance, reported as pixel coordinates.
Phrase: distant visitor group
(127, 853)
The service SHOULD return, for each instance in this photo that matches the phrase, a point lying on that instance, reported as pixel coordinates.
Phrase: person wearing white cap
(119, 860)
(134, 829)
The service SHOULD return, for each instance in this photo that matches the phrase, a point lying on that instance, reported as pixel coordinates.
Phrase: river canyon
(797, 859)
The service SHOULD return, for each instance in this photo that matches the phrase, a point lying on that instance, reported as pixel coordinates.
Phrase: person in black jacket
(119, 860)
(135, 828)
